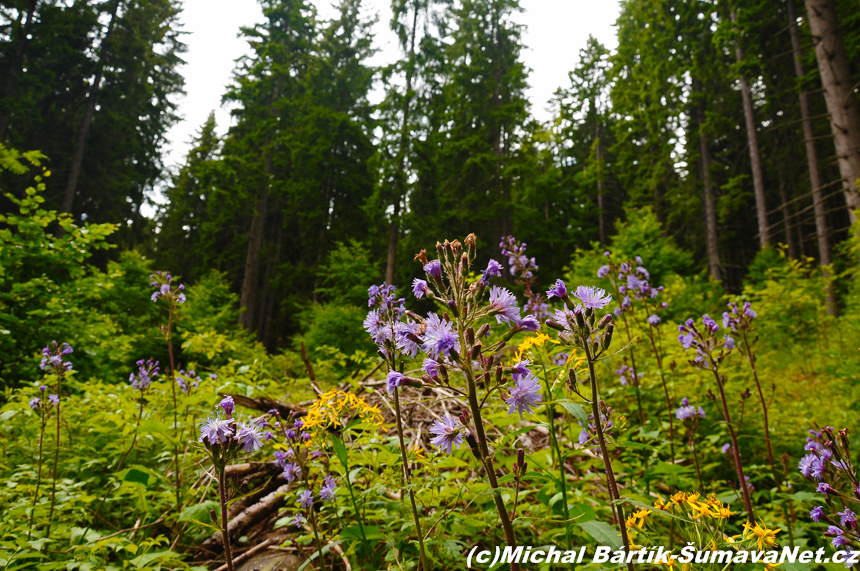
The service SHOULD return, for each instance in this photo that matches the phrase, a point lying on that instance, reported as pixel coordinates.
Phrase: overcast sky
(555, 32)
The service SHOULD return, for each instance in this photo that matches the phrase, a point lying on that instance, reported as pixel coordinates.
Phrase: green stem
(408, 478)
(39, 475)
(225, 528)
(562, 476)
(56, 459)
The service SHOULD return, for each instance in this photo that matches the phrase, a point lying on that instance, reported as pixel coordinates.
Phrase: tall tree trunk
(394, 231)
(601, 220)
(838, 93)
(86, 123)
(755, 156)
(786, 216)
(812, 161)
(710, 207)
(16, 64)
(248, 296)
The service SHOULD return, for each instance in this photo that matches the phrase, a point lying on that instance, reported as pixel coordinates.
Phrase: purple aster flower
(299, 423)
(825, 488)
(520, 369)
(838, 541)
(306, 499)
(290, 433)
(376, 328)
(710, 324)
(280, 459)
(726, 448)
(213, 376)
(583, 437)
(686, 340)
(748, 311)
(306, 436)
(624, 268)
(316, 454)
(394, 380)
(633, 283)
(603, 271)
(328, 489)
(592, 297)
(730, 343)
(447, 433)
(654, 319)
(292, 471)
(406, 337)
(300, 520)
(529, 323)
(810, 465)
(685, 412)
(685, 401)
(55, 400)
(641, 270)
(43, 388)
(847, 518)
(817, 514)
(439, 337)
(558, 289)
(268, 435)
(250, 437)
(524, 395)
(228, 405)
(433, 268)
(503, 305)
(494, 270)
(35, 402)
(420, 288)
(701, 412)
(216, 430)
(432, 368)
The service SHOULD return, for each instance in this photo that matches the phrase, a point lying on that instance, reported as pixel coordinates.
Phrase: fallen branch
(247, 554)
(266, 404)
(253, 514)
(239, 470)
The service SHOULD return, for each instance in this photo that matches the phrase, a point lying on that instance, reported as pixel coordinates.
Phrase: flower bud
(580, 319)
(421, 257)
(521, 456)
(843, 439)
(476, 350)
(213, 516)
(470, 336)
(471, 240)
(604, 321)
(449, 251)
(607, 337)
(440, 250)
(428, 380)
(554, 325)
(464, 263)
(499, 374)
(456, 247)
(482, 332)
(464, 416)
(571, 379)
(452, 305)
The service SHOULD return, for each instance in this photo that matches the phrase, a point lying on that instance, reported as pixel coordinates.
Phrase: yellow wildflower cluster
(538, 340)
(763, 536)
(334, 408)
(690, 504)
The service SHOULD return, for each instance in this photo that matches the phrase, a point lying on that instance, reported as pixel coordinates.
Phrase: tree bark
(839, 94)
(710, 206)
(755, 155)
(821, 229)
(248, 297)
(86, 123)
(394, 231)
(16, 64)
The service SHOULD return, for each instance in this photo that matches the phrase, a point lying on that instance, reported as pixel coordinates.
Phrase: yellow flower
(692, 499)
(662, 505)
(771, 566)
(701, 510)
(631, 521)
(333, 407)
(723, 511)
(678, 497)
(713, 501)
(764, 537)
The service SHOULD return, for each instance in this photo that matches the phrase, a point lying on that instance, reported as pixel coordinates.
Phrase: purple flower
(730, 343)
(748, 311)
(710, 324)
(439, 337)
(654, 319)
(685, 412)
(701, 412)
(726, 448)
(55, 400)
(306, 499)
(817, 513)
(529, 323)
(558, 289)
(603, 271)
(419, 288)
(592, 297)
(43, 388)
(503, 305)
(375, 327)
(811, 466)
(228, 405)
(35, 402)
(520, 369)
(292, 471)
(300, 520)
(838, 541)
(825, 488)
(432, 368)
(299, 423)
(290, 433)
(524, 395)
(686, 340)
(328, 489)
(306, 436)
(250, 437)
(447, 433)
(433, 268)
(146, 371)
(847, 517)
(216, 430)
(406, 337)
(494, 270)
(280, 459)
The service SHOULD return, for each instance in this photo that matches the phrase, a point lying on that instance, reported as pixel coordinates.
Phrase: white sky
(555, 32)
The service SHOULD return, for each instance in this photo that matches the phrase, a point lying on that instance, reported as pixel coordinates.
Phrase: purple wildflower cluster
(687, 412)
(187, 380)
(630, 281)
(53, 358)
(224, 438)
(164, 289)
(711, 348)
(526, 392)
(39, 405)
(588, 432)
(523, 269)
(828, 463)
(628, 375)
(739, 318)
(577, 321)
(146, 371)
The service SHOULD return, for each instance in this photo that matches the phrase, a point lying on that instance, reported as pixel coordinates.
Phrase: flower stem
(225, 528)
(175, 410)
(408, 478)
(696, 460)
(56, 459)
(665, 392)
(610, 476)
(134, 439)
(510, 538)
(39, 474)
(562, 476)
(736, 452)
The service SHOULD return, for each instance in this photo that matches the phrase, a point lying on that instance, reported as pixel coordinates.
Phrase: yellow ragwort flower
(333, 407)
(764, 537)
(678, 497)
(662, 505)
(700, 510)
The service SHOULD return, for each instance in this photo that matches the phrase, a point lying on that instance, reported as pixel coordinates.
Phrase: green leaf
(576, 410)
(604, 533)
(340, 451)
(135, 475)
(199, 512)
